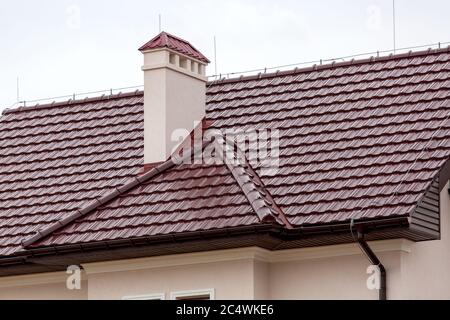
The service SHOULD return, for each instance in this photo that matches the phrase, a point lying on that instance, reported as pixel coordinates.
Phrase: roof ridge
(165, 38)
(241, 78)
(251, 184)
(72, 102)
(294, 71)
(167, 34)
(164, 35)
(333, 64)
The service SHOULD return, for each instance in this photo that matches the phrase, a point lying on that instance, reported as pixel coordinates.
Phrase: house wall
(333, 272)
(47, 286)
(425, 271)
(328, 278)
(230, 280)
(414, 271)
(261, 280)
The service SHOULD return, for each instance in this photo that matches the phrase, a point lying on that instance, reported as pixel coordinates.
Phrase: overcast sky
(60, 47)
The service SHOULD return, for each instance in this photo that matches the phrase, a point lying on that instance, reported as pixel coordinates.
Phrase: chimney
(174, 94)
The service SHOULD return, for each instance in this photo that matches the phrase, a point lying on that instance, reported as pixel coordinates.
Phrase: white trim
(175, 52)
(250, 253)
(156, 296)
(176, 69)
(193, 293)
(35, 279)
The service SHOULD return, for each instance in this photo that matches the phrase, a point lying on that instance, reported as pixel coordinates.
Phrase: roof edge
(276, 230)
(233, 80)
(70, 102)
(315, 67)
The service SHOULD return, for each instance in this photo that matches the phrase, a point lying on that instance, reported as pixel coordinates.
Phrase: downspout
(376, 262)
(382, 292)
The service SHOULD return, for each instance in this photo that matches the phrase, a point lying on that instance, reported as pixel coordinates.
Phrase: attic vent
(183, 63)
(173, 58)
(194, 66)
(201, 69)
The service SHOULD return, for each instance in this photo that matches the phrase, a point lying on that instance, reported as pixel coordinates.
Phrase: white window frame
(192, 293)
(156, 296)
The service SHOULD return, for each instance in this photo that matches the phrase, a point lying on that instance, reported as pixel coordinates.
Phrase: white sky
(60, 47)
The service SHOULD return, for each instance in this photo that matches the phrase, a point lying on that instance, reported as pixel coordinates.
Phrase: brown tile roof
(56, 160)
(166, 40)
(361, 140)
(171, 199)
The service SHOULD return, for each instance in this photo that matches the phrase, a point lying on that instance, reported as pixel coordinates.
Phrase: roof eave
(268, 236)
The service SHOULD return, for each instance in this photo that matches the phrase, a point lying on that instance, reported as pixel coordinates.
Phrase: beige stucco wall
(328, 278)
(40, 287)
(261, 280)
(250, 273)
(230, 280)
(414, 271)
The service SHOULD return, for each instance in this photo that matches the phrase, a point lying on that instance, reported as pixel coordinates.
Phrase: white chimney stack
(174, 94)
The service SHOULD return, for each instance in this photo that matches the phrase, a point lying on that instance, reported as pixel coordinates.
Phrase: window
(207, 294)
(158, 296)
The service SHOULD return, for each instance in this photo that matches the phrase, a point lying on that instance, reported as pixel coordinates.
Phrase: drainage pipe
(375, 261)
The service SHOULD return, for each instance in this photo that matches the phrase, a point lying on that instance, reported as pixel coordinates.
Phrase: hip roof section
(166, 40)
